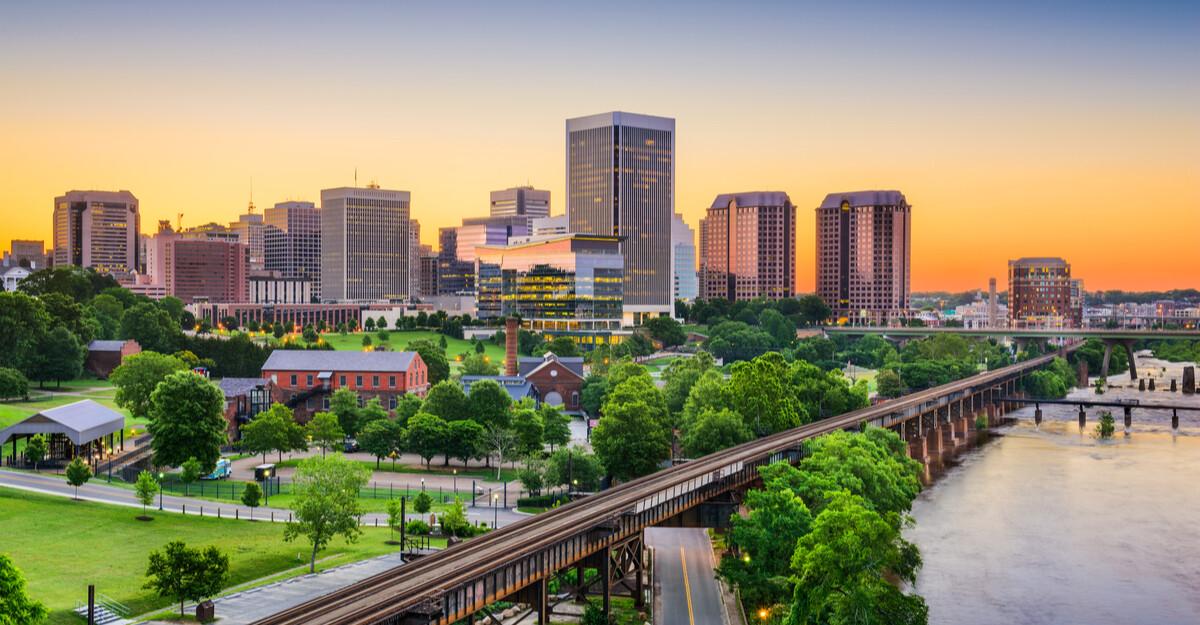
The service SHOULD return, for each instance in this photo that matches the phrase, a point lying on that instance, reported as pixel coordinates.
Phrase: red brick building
(307, 379)
(559, 381)
(104, 356)
(214, 271)
(245, 398)
(1039, 294)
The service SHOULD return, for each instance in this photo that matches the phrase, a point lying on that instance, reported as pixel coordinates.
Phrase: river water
(1051, 525)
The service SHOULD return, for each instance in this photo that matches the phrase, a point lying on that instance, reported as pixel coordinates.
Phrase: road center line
(687, 589)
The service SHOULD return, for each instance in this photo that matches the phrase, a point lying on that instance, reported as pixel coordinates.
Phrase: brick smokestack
(511, 328)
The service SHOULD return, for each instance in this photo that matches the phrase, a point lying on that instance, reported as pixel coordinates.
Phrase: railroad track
(371, 600)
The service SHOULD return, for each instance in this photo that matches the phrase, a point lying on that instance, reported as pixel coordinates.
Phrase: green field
(506, 475)
(399, 338)
(65, 545)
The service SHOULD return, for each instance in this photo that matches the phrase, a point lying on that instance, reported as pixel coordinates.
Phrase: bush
(542, 501)
(417, 527)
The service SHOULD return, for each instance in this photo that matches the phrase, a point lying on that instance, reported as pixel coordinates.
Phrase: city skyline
(1008, 129)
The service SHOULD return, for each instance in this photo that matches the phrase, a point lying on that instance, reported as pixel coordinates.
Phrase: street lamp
(160, 479)
(422, 485)
(456, 484)
(495, 509)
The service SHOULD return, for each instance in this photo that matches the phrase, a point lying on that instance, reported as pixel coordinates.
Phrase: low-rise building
(308, 378)
(104, 356)
(245, 398)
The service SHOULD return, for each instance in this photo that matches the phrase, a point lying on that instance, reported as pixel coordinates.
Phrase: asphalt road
(683, 565)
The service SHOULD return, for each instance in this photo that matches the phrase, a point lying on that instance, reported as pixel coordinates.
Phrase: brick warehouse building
(307, 379)
(559, 381)
(1039, 294)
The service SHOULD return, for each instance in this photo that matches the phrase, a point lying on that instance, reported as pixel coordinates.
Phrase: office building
(365, 244)
(213, 271)
(27, 253)
(456, 264)
(249, 228)
(268, 287)
(864, 255)
(520, 202)
(1039, 294)
(292, 242)
(621, 182)
(212, 232)
(97, 229)
(429, 273)
(749, 247)
(685, 284)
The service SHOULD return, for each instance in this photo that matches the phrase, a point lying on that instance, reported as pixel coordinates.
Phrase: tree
(556, 426)
(253, 325)
(629, 440)
(13, 383)
(267, 432)
(23, 320)
(66, 312)
(594, 394)
(369, 325)
(395, 518)
(479, 348)
(643, 390)
(344, 404)
(531, 477)
(840, 567)
(380, 438)
(189, 472)
(813, 309)
(1105, 428)
(667, 330)
(145, 487)
(183, 573)
(78, 474)
(500, 442)
(447, 400)
(774, 323)
(138, 376)
(366, 341)
(434, 357)
(713, 431)
(576, 467)
(370, 413)
(310, 335)
(463, 439)
(186, 421)
(680, 376)
(528, 426)
(761, 391)
(489, 404)
(59, 357)
(761, 544)
(277, 331)
(426, 436)
(325, 431)
(455, 519)
(151, 327)
(326, 504)
(15, 606)
(251, 497)
(873, 465)
(36, 450)
(479, 364)
(352, 324)
(422, 503)
(408, 406)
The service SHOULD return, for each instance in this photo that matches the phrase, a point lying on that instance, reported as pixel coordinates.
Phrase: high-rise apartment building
(1039, 294)
(621, 182)
(864, 254)
(214, 271)
(249, 228)
(749, 246)
(365, 244)
(520, 202)
(684, 282)
(97, 229)
(292, 241)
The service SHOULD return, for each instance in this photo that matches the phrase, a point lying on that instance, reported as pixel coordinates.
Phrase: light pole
(422, 485)
(495, 510)
(160, 479)
(456, 484)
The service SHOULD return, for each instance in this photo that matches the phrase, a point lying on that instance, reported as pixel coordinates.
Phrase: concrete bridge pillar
(1128, 418)
(934, 441)
(989, 409)
(952, 428)
(1037, 416)
(1174, 419)
(1142, 384)
(1083, 374)
(917, 449)
(1150, 384)
(1082, 418)
(1189, 379)
(1108, 347)
(1173, 389)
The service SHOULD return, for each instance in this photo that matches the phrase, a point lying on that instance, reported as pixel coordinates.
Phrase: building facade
(27, 253)
(299, 315)
(428, 286)
(292, 242)
(1039, 294)
(97, 229)
(864, 252)
(621, 182)
(749, 243)
(365, 244)
(526, 202)
(685, 283)
(307, 379)
(568, 282)
(456, 265)
(249, 228)
(275, 289)
(210, 271)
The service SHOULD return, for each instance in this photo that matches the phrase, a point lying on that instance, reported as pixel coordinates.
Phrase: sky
(1065, 129)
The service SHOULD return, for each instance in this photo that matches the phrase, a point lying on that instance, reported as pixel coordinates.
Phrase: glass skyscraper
(292, 241)
(621, 182)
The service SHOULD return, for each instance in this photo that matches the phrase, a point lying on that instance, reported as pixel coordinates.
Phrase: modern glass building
(621, 182)
(684, 281)
(571, 282)
(292, 241)
(365, 244)
(524, 201)
(456, 253)
(97, 229)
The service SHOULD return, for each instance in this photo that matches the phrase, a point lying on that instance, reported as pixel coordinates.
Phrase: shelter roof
(81, 422)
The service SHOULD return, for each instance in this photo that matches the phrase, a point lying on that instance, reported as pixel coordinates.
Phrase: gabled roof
(548, 364)
(305, 360)
(528, 365)
(233, 387)
(106, 346)
(81, 422)
(518, 388)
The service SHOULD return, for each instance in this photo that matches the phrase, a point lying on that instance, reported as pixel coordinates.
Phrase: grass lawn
(488, 475)
(64, 545)
(399, 338)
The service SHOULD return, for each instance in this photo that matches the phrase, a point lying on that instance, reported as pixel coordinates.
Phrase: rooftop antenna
(251, 209)
(356, 176)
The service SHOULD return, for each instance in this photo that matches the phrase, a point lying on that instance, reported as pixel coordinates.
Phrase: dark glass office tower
(621, 182)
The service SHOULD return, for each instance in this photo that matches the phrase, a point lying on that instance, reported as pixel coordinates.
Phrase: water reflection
(1053, 525)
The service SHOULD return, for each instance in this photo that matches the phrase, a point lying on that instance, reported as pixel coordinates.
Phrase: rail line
(386, 595)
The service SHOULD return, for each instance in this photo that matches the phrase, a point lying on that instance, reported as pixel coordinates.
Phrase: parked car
(220, 473)
(351, 445)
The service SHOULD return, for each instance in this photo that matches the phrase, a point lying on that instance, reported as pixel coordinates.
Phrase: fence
(232, 490)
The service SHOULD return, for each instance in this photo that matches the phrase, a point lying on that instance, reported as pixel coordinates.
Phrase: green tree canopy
(712, 431)
(528, 426)
(145, 488)
(762, 545)
(556, 426)
(13, 383)
(447, 400)
(489, 404)
(16, 607)
(325, 493)
(434, 358)
(426, 436)
(186, 420)
(464, 438)
(151, 327)
(666, 330)
(574, 463)
(68, 313)
(762, 393)
(408, 406)
(23, 320)
(344, 404)
(594, 394)
(58, 357)
(680, 376)
(479, 364)
(267, 432)
(36, 450)
(380, 438)
(78, 474)
(184, 573)
(325, 431)
(371, 412)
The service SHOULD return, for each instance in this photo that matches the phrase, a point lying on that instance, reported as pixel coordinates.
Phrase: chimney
(992, 308)
(511, 328)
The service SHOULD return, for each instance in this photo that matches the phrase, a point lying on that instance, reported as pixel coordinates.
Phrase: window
(575, 399)
(392, 402)
(275, 378)
(293, 379)
(308, 380)
(342, 380)
(375, 381)
(392, 381)
(309, 404)
(358, 381)
(325, 403)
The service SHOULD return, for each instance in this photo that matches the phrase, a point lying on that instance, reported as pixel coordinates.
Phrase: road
(97, 490)
(683, 566)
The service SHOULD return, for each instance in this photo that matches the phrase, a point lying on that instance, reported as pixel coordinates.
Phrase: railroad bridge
(523, 561)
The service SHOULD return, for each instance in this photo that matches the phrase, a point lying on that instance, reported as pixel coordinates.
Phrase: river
(1050, 525)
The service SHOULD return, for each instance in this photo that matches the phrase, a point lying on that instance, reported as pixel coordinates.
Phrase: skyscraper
(365, 243)
(97, 229)
(864, 254)
(414, 258)
(621, 182)
(520, 201)
(292, 241)
(249, 228)
(749, 246)
(685, 285)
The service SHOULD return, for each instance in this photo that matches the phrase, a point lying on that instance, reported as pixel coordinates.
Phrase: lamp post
(456, 484)
(422, 485)
(495, 510)
(160, 479)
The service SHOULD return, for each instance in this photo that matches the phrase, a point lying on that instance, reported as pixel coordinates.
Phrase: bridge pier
(1082, 418)
(1189, 380)
(917, 449)
(1083, 374)
(1174, 419)
(934, 441)
(1108, 347)
(1037, 416)
(1128, 418)
(1142, 384)
(1150, 384)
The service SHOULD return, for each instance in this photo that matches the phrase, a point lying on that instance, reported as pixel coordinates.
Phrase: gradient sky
(1018, 130)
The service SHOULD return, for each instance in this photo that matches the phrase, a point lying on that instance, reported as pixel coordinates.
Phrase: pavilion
(84, 428)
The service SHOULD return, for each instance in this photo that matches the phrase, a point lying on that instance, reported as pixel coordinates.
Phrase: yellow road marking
(687, 589)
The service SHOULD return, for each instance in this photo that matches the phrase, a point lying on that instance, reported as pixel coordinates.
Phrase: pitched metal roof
(528, 365)
(304, 360)
(106, 346)
(518, 388)
(81, 422)
(753, 198)
(232, 387)
(864, 198)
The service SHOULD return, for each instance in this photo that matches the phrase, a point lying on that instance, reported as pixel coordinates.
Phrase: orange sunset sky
(1021, 130)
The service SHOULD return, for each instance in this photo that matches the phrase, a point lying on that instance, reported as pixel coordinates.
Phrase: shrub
(542, 501)
(417, 527)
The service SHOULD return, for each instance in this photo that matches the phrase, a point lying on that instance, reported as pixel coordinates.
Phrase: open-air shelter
(84, 428)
